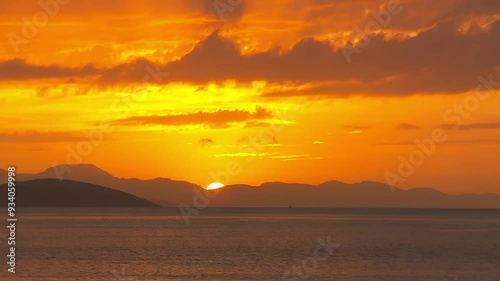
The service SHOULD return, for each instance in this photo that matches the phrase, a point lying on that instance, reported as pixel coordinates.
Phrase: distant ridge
(56, 193)
(342, 195)
(161, 191)
(330, 194)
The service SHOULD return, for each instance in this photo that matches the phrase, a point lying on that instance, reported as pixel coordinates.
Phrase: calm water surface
(68, 244)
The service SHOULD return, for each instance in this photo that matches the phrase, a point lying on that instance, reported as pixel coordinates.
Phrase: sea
(66, 244)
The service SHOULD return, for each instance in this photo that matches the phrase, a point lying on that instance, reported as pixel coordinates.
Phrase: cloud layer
(221, 118)
(443, 59)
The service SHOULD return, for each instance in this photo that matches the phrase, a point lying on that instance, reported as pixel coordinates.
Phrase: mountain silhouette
(54, 192)
(342, 195)
(331, 194)
(161, 191)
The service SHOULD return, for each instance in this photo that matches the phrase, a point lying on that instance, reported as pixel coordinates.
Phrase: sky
(400, 92)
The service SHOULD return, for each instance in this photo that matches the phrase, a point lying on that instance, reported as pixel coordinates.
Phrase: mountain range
(332, 194)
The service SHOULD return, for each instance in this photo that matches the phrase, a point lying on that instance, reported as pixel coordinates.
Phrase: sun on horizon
(214, 185)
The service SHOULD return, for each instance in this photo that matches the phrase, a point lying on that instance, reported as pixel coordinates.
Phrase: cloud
(472, 126)
(321, 13)
(221, 118)
(439, 60)
(272, 155)
(95, 9)
(18, 69)
(227, 10)
(442, 60)
(356, 127)
(206, 142)
(296, 157)
(417, 15)
(407, 126)
(471, 141)
(244, 154)
(256, 123)
(36, 136)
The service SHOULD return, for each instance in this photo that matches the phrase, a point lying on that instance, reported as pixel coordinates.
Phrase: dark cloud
(441, 60)
(137, 71)
(472, 126)
(407, 126)
(36, 136)
(205, 142)
(426, 13)
(471, 141)
(416, 14)
(18, 69)
(216, 119)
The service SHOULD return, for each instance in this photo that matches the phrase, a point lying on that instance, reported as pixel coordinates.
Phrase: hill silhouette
(342, 195)
(161, 191)
(53, 192)
(331, 194)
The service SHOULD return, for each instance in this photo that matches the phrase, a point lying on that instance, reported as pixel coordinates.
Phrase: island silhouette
(100, 188)
(68, 193)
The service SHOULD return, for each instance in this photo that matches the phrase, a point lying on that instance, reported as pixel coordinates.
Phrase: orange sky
(260, 91)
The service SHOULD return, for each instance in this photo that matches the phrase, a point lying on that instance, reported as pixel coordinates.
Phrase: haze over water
(257, 244)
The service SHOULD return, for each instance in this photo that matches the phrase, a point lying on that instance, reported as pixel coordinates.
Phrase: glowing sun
(214, 185)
